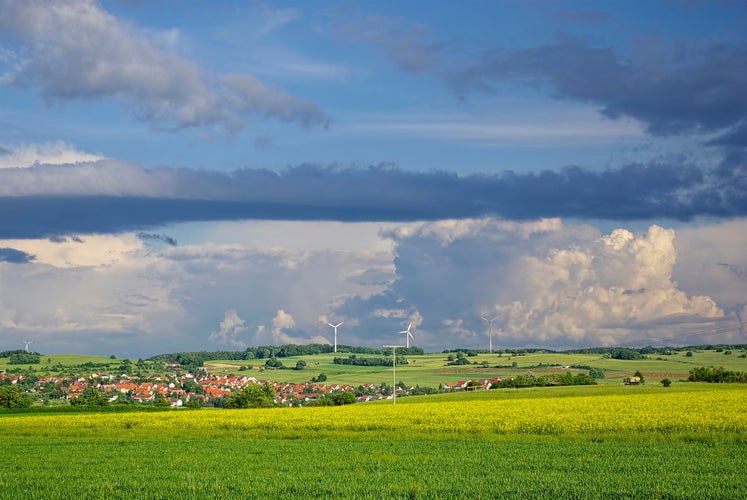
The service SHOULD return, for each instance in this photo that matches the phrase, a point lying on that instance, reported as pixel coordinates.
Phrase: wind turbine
(408, 335)
(336, 327)
(490, 329)
(28, 343)
(394, 371)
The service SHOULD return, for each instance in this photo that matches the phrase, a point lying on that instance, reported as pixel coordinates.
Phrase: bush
(273, 363)
(666, 382)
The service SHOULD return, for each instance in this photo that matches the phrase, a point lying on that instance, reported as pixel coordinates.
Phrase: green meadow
(432, 370)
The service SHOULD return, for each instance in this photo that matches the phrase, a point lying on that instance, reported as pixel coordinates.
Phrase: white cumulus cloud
(230, 328)
(75, 50)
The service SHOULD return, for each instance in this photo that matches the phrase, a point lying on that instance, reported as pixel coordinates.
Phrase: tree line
(717, 375)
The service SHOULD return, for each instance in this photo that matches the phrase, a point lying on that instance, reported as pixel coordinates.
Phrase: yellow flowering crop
(663, 412)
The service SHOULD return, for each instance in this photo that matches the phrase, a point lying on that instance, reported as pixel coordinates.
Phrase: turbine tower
(394, 371)
(408, 335)
(336, 327)
(28, 343)
(490, 330)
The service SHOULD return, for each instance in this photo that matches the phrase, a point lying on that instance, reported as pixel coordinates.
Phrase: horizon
(529, 350)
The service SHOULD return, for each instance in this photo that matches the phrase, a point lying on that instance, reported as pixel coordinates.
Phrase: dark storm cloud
(698, 90)
(14, 256)
(108, 196)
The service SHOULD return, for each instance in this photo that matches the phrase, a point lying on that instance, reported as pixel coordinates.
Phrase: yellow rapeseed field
(662, 412)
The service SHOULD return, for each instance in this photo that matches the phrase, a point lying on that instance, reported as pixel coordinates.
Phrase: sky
(183, 176)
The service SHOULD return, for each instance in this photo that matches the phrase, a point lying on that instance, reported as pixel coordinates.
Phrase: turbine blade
(494, 318)
(340, 323)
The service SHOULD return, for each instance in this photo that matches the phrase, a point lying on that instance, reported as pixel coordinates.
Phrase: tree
(300, 364)
(639, 375)
(160, 400)
(24, 358)
(252, 396)
(343, 398)
(194, 404)
(93, 397)
(666, 382)
(689, 354)
(10, 397)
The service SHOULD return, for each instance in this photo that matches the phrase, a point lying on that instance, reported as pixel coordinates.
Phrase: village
(182, 388)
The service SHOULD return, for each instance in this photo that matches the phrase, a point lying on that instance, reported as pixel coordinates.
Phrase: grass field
(48, 361)
(686, 441)
(431, 369)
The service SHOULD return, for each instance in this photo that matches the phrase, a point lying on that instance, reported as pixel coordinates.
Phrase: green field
(48, 361)
(687, 441)
(431, 369)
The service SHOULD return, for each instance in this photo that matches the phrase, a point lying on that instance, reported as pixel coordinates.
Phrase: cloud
(699, 91)
(97, 302)
(53, 153)
(712, 262)
(115, 293)
(88, 252)
(274, 18)
(14, 256)
(230, 328)
(407, 45)
(157, 237)
(74, 50)
(682, 89)
(111, 196)
(283, 322)
(551, 285)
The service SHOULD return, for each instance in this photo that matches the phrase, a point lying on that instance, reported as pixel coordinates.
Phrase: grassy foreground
(597, 443)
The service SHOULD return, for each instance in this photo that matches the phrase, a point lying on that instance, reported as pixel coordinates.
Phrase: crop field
(686, 441)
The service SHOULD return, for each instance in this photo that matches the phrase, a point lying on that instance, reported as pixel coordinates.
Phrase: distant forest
(284, 351)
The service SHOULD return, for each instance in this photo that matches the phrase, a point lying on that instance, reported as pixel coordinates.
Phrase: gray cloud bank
(111, 196)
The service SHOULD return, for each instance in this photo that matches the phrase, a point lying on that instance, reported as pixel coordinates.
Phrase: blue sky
(222, 174)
